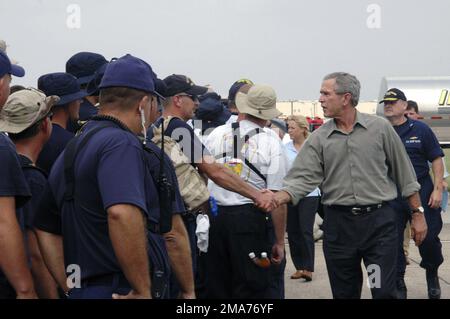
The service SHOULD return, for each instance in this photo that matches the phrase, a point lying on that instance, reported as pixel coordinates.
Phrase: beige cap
(25, 108)
(260, 101)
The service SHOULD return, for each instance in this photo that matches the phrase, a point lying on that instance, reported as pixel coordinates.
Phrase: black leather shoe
(402, 292)
(434, 289)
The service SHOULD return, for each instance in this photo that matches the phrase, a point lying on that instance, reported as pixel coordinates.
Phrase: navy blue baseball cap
(280, 124)
(6, 67)
(212, 109)
(130, 72)
(393, 95)
(64, 85)
(160, 87)
(235, 88)
(177, 84)
(92, 87)
(83, 65)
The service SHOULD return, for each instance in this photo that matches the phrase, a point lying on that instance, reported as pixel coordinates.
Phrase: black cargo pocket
(251, 235)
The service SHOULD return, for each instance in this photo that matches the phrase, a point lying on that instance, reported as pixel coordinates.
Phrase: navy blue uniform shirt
(55, 145)
(47, 217)
(109, 170)
(12, 180)
(36, 180)
(87, 110)
(421, 145)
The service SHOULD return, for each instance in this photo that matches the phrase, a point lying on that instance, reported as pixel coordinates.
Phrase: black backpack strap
(71, 152)
(238, 144)
(236, 139)
(165, 195)
(247, 162)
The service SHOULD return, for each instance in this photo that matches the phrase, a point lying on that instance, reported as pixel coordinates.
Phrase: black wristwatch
(418, 210)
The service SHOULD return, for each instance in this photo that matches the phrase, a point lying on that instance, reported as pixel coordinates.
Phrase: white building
(313, 108)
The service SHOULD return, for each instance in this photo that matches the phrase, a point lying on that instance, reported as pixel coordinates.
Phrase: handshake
(267, 200)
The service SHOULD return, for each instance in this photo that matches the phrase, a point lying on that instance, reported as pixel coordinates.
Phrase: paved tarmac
(319, 287)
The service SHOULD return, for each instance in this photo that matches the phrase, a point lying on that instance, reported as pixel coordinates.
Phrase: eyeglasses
(389, 103)
(194, 98)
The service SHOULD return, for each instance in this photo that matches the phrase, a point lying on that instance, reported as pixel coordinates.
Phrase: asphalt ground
(319, 287)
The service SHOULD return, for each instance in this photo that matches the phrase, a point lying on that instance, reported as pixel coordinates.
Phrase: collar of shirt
(290, 147)
(407, 124)
(359, 120)
(248, 124)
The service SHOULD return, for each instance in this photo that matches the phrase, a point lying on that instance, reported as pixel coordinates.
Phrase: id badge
(235, 165)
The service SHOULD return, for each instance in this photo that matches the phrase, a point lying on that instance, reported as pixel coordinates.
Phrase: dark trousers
(201, 275)
(6, 290)
(191, 224)
(97, 292)
(235, 232)
(370, 237)
(402, 210)
(103, 287)
(300, 225)
(431, 248)
(101, 290)
(276, 273)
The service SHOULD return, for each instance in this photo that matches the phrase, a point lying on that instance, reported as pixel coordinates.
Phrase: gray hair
(346, 83)
(167, 101)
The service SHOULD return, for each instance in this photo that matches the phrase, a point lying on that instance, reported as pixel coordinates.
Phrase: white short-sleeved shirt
(263, 150)
(233, 118)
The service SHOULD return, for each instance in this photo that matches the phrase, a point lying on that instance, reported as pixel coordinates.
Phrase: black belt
(106, 280)
(226, 209)
(357, 210)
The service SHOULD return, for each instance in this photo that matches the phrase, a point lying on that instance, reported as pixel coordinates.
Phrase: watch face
(421, 209)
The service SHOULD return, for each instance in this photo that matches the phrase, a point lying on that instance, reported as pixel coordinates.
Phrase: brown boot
(307, 275)
(297, 275)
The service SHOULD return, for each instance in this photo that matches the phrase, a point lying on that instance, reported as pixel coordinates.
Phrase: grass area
(447, 157)
(447, 163)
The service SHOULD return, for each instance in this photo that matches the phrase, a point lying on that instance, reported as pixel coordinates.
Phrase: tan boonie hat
(260, 101)
(25, 108)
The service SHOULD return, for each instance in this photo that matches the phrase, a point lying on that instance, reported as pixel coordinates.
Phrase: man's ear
(405, 105)
(45, 125)
(142, 103)
(348, 99)
(177, 101)
(2, 82)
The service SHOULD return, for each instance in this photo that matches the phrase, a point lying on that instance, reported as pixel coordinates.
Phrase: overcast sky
(289, 44)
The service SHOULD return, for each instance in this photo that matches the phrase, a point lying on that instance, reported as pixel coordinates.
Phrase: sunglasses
(194, 98)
